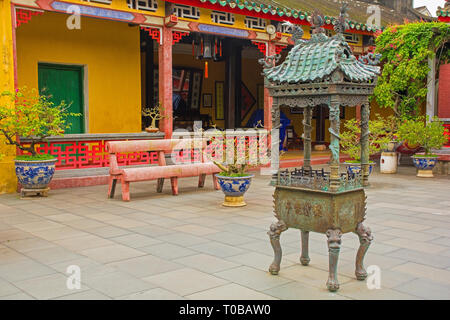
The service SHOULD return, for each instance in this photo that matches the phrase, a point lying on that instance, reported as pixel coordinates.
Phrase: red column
(358, 113)
(165, 81)
(267, 99)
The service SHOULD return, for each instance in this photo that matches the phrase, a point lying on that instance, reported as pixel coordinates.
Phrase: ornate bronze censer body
(321, 71)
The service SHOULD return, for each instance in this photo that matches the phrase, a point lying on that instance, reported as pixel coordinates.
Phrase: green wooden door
(64, 83)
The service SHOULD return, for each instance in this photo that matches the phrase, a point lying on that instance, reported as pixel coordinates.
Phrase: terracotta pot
(151, 129)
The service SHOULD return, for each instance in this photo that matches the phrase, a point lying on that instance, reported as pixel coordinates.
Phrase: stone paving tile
(421, 257)
(425, 289)
(23, 269)
(29, 244)
(84, 295)
(52, 255)
(358, 290)
(145, 266)
(153, 294)
(422, 271)
(206, 263)
(117, 284)
(193, 281)
(416, 245)
(18, 296)
(9, 256)
(413, 235)
(168, 251)
(108, 231)
(47, 287)
(182, 239)
(258, 260)
(79, 244)
(58, 233)
(84, 223)
(217, 249)
(7, 288)
(136, 240)
(444, 241)
(13, 234)
(230, 291)
(195, 229)
(298, 291)
(252, 278)
(111, 253)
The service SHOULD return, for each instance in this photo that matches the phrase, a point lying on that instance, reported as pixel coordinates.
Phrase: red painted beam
(246, 12)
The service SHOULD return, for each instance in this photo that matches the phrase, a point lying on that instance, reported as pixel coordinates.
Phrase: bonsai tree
(240, 160)
(154, 114)
(27, 114)
(405, 50)
(429, 135)
(380, 134)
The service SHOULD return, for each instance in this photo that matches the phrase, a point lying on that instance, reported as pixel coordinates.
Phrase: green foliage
(28, 157)
(25, 113)
(429, 135)
(380, 135)
(405, 50)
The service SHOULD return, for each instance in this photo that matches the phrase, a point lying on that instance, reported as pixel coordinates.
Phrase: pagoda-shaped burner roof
(317, 59)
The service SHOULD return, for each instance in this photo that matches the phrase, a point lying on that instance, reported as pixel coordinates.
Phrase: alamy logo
(74, 279)
(73, 22)
(374, 278)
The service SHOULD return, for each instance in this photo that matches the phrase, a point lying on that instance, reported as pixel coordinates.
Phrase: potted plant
(234, 180)
(429, 135)
(388, 159)
(30, 115)
(154, 114)
(379, 138)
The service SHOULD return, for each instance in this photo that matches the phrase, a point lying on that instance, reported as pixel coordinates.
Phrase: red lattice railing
(92, 154)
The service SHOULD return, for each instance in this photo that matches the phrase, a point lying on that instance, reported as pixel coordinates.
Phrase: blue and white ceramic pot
(234, 189)
(354, 168)
(35, 174)
(425, 165)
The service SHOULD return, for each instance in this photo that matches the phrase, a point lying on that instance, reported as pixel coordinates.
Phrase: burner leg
(334, 247)
(274, 233)
(304, 258)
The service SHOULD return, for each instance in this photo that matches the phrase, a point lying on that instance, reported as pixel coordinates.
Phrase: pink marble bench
(160, 172)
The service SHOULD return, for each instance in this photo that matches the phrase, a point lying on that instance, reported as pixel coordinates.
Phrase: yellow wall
(110, 52)
(8, 181)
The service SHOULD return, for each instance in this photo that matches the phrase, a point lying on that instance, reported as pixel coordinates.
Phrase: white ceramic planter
(388, 162)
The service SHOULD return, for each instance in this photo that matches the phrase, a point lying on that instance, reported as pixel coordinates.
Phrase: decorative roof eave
(253, 9)
(443, 15)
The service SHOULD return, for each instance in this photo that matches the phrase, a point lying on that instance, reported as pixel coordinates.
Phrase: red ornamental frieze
(262, 46)
(279, 48)
(177, 36)
(154, 33)
(24, 15)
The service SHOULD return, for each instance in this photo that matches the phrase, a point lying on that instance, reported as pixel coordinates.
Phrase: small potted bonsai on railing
(379, 137)
(154, 114)
(429, 135)
(25, 113)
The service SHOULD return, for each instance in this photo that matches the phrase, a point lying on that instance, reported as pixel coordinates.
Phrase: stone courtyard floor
(189, 247)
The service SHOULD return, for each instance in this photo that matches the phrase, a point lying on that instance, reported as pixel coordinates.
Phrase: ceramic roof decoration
(285, 9)
(444, 12)
(317, 59)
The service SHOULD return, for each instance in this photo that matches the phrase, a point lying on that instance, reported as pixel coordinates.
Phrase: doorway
(64, 83)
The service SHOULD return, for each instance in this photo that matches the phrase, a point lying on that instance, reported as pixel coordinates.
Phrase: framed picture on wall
(207, 100)
(219, 90)
(260, 96)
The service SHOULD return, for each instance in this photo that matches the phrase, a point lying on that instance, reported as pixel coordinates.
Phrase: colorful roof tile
(317, 59)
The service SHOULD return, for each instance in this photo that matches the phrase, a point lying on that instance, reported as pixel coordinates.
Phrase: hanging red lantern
(206, 69)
